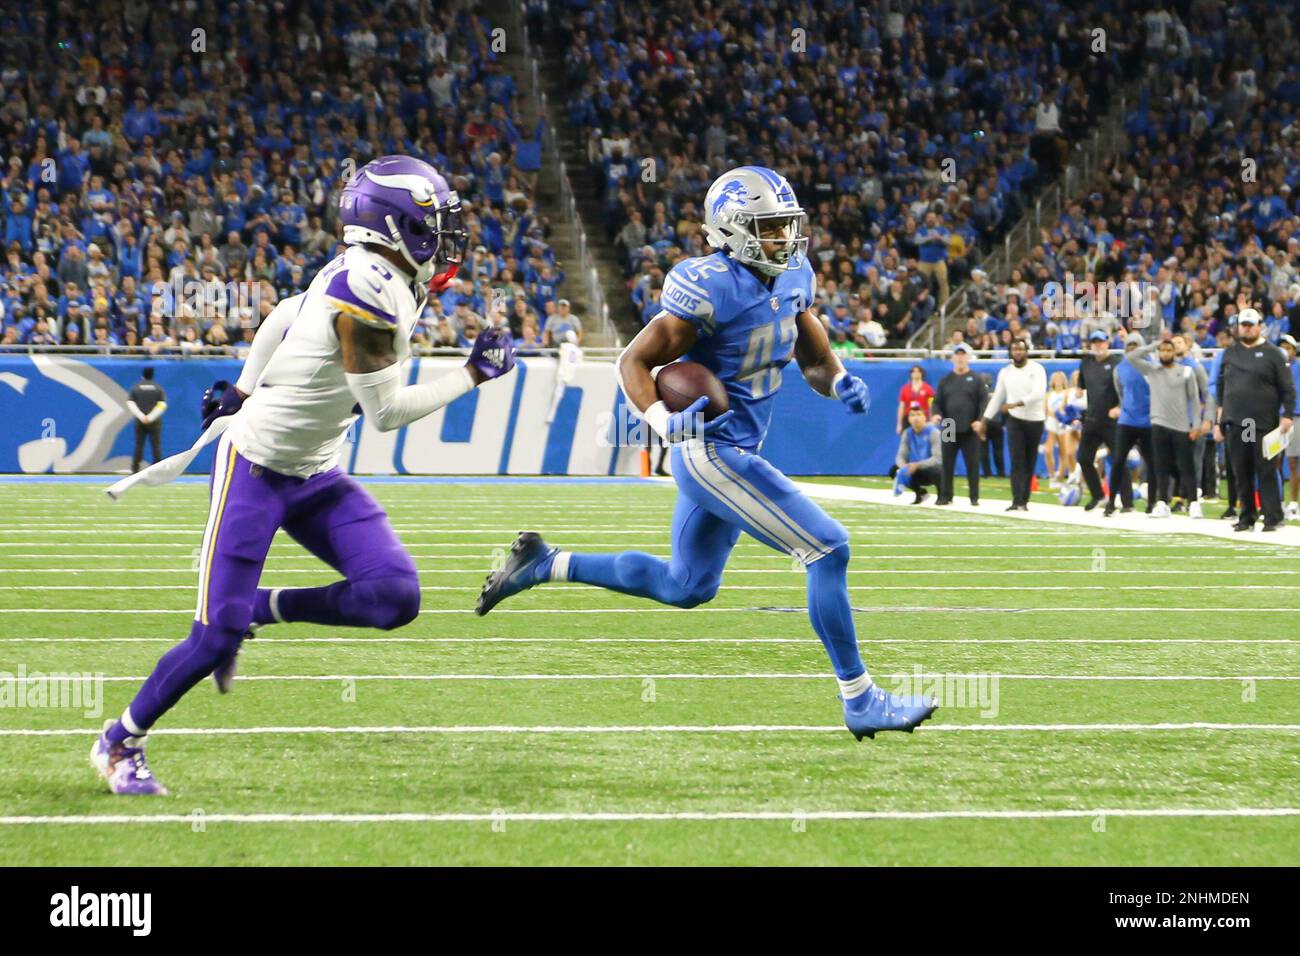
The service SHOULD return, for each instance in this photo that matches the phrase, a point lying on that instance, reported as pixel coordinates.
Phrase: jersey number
(758, 371)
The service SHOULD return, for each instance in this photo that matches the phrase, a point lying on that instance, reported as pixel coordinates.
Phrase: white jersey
(298, 415)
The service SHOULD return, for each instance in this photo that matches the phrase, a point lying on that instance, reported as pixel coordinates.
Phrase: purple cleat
(124, 768)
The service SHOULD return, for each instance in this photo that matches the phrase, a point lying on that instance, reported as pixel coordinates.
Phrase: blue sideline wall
(63, 414)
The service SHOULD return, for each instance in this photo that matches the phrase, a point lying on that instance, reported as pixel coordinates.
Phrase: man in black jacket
(1097, 377)
(1254, 383)
(958, 403)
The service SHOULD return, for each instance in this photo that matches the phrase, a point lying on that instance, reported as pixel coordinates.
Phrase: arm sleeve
(998, 398)
(1206, 394)
(1193, 398)
(1137, 358)
(1286, 384)
(1039, 395)
(936, 454)
(900, 459)
(269, 336)
(134, 409)
(155, 413)
(1219, 379)
(936, 408)
(389, 404)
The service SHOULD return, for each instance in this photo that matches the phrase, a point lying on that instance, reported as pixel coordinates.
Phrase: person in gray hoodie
(1176, 414)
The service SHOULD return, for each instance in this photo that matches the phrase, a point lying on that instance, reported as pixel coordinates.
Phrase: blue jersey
(746, 332)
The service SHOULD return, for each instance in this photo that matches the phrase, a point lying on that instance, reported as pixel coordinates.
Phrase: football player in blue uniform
(743, 312)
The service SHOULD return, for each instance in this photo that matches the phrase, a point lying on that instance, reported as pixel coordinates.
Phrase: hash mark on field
(648, 817)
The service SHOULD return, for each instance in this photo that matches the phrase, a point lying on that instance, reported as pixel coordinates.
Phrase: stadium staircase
(567, 193)
(1107, 140)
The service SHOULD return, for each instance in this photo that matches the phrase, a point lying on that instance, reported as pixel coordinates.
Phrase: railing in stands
(568, 204)
(1082, 166)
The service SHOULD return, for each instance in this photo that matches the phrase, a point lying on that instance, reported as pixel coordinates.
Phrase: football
(681, 383)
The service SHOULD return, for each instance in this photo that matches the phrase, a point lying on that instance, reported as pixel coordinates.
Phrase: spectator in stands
(562, 321)
(149, 191)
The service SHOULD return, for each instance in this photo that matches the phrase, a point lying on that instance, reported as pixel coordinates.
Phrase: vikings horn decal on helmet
(404, 204)
(750, 205)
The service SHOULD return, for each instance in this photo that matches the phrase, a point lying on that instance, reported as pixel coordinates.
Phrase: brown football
(681, 383)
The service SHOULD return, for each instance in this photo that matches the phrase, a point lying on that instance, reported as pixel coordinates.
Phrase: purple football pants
(331, 516)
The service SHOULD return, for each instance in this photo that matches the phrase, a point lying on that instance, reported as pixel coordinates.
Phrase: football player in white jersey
(331, 353)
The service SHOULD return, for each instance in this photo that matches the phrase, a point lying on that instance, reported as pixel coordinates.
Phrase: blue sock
(832, 618)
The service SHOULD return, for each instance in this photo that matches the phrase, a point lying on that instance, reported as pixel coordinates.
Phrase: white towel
(169, 469)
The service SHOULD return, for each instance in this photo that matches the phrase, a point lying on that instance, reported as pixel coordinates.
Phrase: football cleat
(224, 675)
(124, 768)
(876, 709)
(528, 563)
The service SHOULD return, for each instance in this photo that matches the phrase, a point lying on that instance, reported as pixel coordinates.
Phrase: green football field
(1108, 697)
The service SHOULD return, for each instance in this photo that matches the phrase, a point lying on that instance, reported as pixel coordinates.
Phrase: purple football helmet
(404, 204)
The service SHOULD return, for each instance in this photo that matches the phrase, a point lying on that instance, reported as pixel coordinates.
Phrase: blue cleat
(528, 563)
(875, 709)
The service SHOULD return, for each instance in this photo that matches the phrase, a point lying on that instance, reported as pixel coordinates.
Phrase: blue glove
(855, 395)
(690, 423)
(214, 408)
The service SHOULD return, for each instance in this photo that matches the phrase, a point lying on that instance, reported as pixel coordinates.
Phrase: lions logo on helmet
(752, 206)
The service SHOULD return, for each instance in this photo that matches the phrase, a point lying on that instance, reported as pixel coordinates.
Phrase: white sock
(560, 566)
(856, 687)
(138, 736)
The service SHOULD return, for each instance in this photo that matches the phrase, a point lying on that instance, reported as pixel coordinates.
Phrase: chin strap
(443, 279)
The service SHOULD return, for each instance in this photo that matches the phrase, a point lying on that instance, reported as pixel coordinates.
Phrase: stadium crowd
(913, 132)
(171, 175)
(1198, 217)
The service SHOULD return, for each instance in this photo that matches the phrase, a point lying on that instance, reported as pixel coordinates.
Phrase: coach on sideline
(1097, 376)
(1254, 383)
(1021, 392)
(1175, 426)
(957, 404)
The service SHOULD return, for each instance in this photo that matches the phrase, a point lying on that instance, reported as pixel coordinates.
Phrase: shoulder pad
(364, 289)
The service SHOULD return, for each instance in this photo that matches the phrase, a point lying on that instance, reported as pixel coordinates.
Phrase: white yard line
(1040, 513)
(652, 729)
(782, 816)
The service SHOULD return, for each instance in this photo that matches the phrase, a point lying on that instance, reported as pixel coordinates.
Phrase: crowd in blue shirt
(169, 175)
(876, 118)
(1199, 212)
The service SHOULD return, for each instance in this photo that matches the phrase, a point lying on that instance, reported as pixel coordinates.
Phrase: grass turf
(92, 587)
